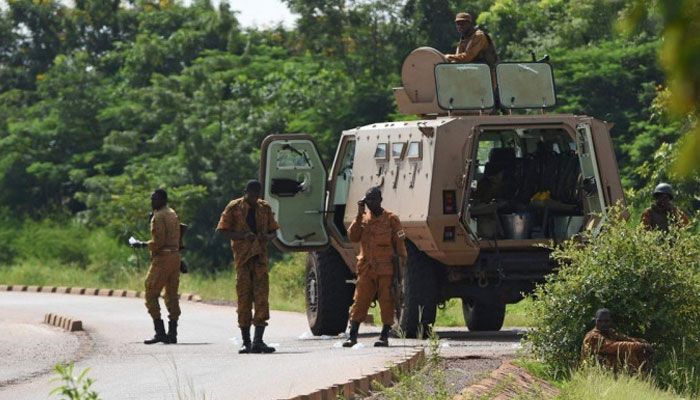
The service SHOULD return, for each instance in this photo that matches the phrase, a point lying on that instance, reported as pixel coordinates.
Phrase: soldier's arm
(272, 225)
(355, 229)
(398, 238)
(475, 45)
(226, 224)
(646, 219)
(157, 233)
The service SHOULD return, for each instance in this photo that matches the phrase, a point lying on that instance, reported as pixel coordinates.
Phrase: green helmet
(664, 188)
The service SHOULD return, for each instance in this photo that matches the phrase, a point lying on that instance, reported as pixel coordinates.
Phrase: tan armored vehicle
(478, 183)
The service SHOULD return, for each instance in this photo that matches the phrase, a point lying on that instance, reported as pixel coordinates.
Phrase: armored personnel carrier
(479, 181)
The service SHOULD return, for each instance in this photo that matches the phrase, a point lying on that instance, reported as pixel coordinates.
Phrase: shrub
(650, 282)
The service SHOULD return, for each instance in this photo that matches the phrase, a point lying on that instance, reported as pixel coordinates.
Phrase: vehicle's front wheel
(483, 315)
(418, 300)
(328, 294)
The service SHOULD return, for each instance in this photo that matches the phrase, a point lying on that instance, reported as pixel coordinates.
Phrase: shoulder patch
(401, 234)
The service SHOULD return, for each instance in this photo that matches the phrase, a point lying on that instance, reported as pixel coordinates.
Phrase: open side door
(592, 185)
(294, 184)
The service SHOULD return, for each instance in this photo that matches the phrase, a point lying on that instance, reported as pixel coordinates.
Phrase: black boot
(258, 345)
(160, 336)
(352, 340)
(383, 337)
(245, 335)
(172, 332)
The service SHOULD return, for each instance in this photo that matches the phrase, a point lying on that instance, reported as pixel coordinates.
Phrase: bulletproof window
(381, 153)
(289, 157)
(397, 150)
(415, 151)
(464, 86)
(526, 85)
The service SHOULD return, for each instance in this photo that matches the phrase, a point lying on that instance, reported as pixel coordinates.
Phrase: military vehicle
(478, 184)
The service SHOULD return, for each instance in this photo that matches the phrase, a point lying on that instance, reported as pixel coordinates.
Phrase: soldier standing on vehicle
(615, 350)
(382, 244)
(165, 267)
(662, 214)
(249, 223)
(475, 45)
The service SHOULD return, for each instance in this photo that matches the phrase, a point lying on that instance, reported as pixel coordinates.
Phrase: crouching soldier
(381, 240)
(249, 223)
(615, 350)
(164, 272)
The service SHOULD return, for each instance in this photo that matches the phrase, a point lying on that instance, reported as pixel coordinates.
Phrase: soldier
(657, 216)
(475, 45)
(249, 223)
(614, 350)
(381, 241)
(165, 267)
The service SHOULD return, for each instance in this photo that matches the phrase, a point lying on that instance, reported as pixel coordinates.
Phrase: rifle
(183, 264)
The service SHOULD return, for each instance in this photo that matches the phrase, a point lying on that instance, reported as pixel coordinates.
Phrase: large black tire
(484, 315)
(328, 295)
(419, 294)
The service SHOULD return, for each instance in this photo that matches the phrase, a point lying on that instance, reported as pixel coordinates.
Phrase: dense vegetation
(102, 102)
(650, 281)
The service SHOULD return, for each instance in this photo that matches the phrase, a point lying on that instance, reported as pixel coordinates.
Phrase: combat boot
(258, 345)
(160, 336)
(383, 337)
(172, 332)
(245, 336)
(352, 340)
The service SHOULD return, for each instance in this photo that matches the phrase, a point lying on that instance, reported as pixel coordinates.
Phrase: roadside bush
(62, 241)
(650, 282)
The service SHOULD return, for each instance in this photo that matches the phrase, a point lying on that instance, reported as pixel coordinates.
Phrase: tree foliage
(104, 100)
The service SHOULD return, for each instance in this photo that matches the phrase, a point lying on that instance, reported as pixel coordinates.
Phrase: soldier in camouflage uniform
(662, 214)
(381, 240)
(164, 272)
(249, 223)
(615, 350)
(475, 45)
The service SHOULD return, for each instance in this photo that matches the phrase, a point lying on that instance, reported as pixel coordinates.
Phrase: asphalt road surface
(204, 364)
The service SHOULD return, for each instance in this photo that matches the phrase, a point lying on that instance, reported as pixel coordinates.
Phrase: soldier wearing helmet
(662, 214)
(381, 240)
(475, 45)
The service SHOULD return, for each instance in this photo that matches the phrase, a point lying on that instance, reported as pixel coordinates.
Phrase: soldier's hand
(360, 208)
(139, 244)
(250, 236)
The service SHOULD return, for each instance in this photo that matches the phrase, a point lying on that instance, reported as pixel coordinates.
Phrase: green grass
(596, 383)
(286, 279)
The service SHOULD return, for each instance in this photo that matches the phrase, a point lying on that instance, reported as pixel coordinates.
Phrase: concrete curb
(361, 387)
(90, 291)
(65, 323)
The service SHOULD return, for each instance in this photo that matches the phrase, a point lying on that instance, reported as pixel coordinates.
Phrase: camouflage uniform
(250, 257)
(165, 263)
(615, 350)
(381, 238)
(656, 218)
(476, 48)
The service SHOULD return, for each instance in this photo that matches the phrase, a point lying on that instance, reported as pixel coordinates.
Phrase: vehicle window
(381, 153)
(292, 158)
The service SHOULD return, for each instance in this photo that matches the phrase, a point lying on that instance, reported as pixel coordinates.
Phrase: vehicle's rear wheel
(483, 315)
(328, 295)
(419, 293)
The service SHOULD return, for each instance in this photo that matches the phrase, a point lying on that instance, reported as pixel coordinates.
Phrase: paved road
(205, 362)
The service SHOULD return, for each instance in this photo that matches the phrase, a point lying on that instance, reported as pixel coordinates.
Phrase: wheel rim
(312, 291)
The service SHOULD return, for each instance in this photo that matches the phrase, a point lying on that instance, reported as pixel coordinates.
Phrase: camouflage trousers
(253, 288)
(370, 286)
(163, 274)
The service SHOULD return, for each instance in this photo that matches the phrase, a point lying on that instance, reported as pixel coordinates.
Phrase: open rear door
(294, 184)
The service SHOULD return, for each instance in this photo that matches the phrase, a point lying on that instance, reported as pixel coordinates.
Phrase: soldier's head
(603, 320)
(373, 199)
(252, 191)
(464, 23)
(663, 194)
(159, 199)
